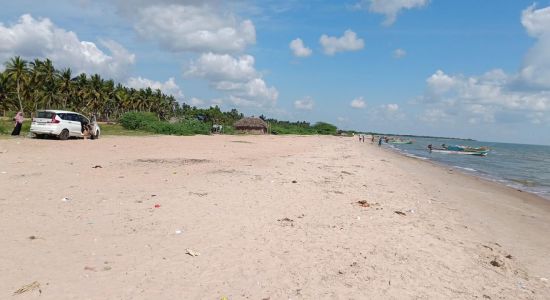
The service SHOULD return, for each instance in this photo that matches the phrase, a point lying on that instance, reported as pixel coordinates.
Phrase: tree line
(32, 85)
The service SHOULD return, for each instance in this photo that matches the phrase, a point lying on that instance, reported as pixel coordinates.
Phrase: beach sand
(272, 217)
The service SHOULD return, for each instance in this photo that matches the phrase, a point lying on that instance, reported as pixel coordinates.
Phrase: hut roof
(250, 122)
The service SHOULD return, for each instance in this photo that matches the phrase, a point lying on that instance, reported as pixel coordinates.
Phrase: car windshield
(45, 114)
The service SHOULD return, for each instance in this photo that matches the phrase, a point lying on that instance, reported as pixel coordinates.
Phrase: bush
(137, 120)
(325, 128)
(149, 122)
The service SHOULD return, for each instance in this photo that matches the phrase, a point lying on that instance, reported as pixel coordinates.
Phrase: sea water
(524, 167)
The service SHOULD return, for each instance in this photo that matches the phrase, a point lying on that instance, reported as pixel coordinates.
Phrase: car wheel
(64, 135)
(95, 136)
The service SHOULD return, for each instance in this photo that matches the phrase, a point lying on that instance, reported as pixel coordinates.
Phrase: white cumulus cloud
(235, 76)
(347, 42)
(358, 103)
(169, 87)
(389, 8)
(40, 38)
(299, 49)
(536, 64)
(197, 28)
(304, 104)
(223, 67)
(496, 96)
(392, 107)
(399, 53)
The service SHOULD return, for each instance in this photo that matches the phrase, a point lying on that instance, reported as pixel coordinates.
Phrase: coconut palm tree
(65, 86)
(17, 70)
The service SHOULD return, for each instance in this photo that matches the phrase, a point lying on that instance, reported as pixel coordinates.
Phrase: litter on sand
(65, 199)
(400, 213)
(97, 167)
(363, 203)
(29, 287)
(192, 252)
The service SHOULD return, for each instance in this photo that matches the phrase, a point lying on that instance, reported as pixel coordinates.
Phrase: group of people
(380, 139)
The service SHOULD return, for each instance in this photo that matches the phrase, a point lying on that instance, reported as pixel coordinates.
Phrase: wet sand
(271, 217)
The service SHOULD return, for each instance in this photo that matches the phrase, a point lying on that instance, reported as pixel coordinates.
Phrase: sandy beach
(259, 217)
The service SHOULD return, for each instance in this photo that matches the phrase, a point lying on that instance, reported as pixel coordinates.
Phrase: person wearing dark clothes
(18, 123)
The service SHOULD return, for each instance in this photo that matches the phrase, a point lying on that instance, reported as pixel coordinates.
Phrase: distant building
(251, 126)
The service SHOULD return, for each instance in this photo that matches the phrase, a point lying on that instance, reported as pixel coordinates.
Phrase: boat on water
(465, 148)
(461, 150)
(399, 142)
(445, 151)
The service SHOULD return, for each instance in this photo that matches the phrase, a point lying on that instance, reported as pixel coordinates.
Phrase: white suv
(63, 124)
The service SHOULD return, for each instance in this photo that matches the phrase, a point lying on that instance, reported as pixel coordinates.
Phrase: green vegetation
(147, 122)
(301, 128)
(6, 125)
(30, 86)
(117, 129)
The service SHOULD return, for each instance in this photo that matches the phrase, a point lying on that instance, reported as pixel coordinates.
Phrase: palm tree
(66, 86)
(4, 92)
(17, 70)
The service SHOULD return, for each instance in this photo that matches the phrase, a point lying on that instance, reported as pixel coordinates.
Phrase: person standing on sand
(380, 141)
(18, 123)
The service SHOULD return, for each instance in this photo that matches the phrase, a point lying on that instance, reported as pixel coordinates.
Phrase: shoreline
(537, 198)
(475, 173)
(301, 217)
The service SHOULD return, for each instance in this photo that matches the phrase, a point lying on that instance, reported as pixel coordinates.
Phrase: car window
(62, 116)
(45, 114)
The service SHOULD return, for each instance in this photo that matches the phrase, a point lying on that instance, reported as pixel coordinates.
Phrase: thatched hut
(251, 126)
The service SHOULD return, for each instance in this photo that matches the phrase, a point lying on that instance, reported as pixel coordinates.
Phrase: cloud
(535, 71)
(389, 8)
(298, 48)
(40, 38)
(348, 42)
(399, 53)
(304, 104)
(392, 107)
(358, 103)
(496, 96)
(168, 87)
(480, 99)
(195, 28)
(223, 67)
(235, 76)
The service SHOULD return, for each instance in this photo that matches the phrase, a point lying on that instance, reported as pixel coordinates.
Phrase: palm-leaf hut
(251, 126)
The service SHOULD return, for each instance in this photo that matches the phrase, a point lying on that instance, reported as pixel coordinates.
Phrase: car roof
(59, 111)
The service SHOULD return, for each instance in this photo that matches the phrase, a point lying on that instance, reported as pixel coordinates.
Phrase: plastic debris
(400, 213)
(65, 199)
(179, 231)
(192, 252)
(157, 205)
(29, 287)
(97, 167)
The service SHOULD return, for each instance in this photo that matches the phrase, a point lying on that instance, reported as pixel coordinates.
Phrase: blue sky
(469, 68)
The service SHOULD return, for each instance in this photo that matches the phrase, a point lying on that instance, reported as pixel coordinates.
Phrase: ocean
(524, 167)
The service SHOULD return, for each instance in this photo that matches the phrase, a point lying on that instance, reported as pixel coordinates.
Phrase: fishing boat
(445, 151)
(400, 142)
(465, 148)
